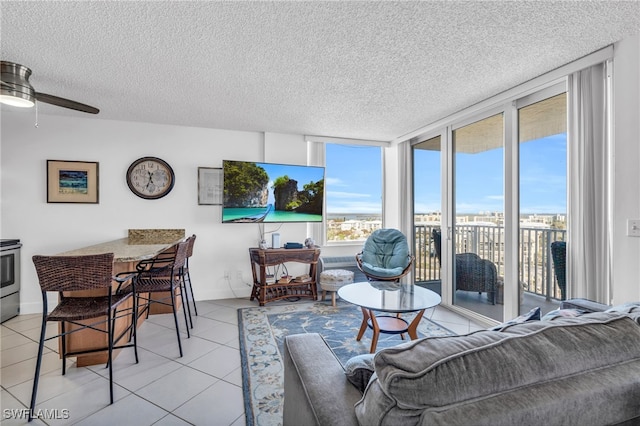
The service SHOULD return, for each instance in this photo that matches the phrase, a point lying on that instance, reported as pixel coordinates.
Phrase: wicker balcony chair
(385, 256)
(559, 256)
(65, 274)
(472, 272)
(162, 275)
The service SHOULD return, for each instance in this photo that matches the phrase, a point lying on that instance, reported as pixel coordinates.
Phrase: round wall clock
(150, 178)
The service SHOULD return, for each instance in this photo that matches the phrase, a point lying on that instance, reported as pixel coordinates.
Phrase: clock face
(150, 178)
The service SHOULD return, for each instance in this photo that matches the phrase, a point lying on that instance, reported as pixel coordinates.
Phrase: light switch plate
(633, 227)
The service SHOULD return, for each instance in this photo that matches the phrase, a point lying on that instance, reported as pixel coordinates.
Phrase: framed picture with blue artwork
(72, 182)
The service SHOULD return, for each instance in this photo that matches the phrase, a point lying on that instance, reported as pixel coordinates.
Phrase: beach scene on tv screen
(268, 192)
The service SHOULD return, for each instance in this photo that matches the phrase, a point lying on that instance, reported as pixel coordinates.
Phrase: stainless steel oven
(10, 282)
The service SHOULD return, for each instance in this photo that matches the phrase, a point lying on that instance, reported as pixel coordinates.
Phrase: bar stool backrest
(165, 264)
(190, 242)
(74, 273)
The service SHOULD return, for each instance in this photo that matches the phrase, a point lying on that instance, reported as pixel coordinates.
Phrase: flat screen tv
(271, 193)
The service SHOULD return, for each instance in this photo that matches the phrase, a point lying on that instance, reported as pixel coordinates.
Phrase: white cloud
(354, 207)
(339, 194)
(333, 182)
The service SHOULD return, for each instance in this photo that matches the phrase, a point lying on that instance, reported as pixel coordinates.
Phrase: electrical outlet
(239, 275)
(226, 274)
(633, 227)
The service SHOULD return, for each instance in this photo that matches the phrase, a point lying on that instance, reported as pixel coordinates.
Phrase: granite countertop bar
(154, 236)
(122, 250)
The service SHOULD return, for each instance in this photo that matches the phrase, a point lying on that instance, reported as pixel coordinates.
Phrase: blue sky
(543, 175)
(353, 179)
(353, 186)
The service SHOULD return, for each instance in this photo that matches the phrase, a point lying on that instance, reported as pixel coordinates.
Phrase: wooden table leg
(376, 332)
(413, 327)
(366, 315)
(363, 326)
(393, 327)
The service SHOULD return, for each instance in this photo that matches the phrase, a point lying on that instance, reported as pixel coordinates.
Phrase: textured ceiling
(368, 70)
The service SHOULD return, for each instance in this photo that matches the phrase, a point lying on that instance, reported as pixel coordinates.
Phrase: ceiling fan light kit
(17, 91)
(16, 99)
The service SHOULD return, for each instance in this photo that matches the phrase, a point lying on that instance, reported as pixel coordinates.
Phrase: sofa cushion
(438, 372)
(632, 309)
(359, 370)
(584, 305)
(626, 308)
(562, 313)
(532, 315)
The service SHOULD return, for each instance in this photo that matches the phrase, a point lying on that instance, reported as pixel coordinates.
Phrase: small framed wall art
(72, 182)
(210, 186)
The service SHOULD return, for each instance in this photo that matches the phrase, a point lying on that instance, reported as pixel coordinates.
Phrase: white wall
(626, 165)
(53, 228)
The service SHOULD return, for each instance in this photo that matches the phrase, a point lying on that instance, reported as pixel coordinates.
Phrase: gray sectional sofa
(582, 370)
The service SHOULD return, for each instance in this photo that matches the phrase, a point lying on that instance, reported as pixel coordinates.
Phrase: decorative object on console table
(266, 291)
(72, 182)
(290, 246)
(150, 178)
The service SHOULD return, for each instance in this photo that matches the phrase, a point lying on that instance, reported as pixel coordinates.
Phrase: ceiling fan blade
(66, 103)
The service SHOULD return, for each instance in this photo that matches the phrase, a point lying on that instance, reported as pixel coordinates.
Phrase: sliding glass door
(478, 216)
(542, 144)
(428, 212)
(491, 208)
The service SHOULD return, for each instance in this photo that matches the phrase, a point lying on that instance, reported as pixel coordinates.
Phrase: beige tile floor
(204, 387)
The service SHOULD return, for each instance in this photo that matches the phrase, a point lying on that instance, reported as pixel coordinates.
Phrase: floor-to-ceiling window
(353, 187)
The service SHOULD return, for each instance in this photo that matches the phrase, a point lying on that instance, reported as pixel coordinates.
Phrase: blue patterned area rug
(262, 330)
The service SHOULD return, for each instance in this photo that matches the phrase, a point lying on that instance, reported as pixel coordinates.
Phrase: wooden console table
(268, 292)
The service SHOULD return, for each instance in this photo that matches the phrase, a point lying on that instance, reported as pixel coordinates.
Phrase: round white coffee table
(388, 297)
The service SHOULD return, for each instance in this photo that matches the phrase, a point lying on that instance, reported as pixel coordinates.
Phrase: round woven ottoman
(332, 279)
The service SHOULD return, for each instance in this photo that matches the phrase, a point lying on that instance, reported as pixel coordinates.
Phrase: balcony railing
(535, 267)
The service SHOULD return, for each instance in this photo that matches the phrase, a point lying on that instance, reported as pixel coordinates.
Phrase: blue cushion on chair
(385, 253)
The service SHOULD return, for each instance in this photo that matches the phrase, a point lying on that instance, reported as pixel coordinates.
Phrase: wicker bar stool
(162, 275)
(186, 278)
(64, 274)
